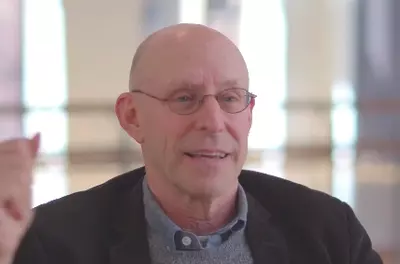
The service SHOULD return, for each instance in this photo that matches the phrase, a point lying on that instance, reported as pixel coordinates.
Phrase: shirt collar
(178, 239)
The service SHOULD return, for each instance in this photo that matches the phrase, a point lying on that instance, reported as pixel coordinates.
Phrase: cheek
(240, 128)
(163, 131)
(152, 132)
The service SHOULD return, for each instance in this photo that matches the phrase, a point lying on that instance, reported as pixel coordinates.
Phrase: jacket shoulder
(90, 200)
(83, 211)
(75, 225)
(317, 219)
(292, 203)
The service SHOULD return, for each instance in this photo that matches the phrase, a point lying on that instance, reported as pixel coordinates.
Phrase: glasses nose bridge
(203, 98)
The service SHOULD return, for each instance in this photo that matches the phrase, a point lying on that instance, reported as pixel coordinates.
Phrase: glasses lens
(183, 102)
(233, 100)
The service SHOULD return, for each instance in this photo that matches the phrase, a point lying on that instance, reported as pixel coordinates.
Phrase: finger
(17, 210)
(18, 203)
(13, 209)
(11, 232)
(35, 145)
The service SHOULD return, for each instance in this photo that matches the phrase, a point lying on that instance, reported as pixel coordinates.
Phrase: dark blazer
(287, 223)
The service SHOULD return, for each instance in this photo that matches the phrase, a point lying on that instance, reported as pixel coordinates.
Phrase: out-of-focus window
(265, 55)
(44, 93)
(10, 69)
(344, 135)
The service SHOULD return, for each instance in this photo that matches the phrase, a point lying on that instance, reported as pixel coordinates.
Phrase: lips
(207, 154)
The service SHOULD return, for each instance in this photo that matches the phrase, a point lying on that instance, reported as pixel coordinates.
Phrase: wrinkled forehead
(211, 65)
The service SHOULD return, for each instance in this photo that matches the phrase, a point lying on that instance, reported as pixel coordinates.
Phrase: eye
(230, 97)
(183, 98)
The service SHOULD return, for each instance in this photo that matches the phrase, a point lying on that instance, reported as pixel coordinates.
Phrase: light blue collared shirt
(178, 239)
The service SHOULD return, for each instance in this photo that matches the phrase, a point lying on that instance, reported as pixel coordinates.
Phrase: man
(190, 110)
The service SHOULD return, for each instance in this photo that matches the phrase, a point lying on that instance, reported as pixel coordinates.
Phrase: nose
(210, 116)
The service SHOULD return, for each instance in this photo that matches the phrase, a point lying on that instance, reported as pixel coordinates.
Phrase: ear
(126, 110)
(251, 106)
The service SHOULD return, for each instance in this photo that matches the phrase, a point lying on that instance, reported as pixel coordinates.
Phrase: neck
(199, 215)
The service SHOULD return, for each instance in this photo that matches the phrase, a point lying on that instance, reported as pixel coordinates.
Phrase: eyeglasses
(187, 101)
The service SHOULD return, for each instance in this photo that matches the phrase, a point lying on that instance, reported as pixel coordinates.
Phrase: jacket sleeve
(361, 251)
(31, 250)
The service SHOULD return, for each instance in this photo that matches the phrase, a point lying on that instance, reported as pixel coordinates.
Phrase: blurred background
(325, 71)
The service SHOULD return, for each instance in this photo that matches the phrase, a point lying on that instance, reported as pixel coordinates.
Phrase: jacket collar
(128, 233)
(266, 242)
(129, 243)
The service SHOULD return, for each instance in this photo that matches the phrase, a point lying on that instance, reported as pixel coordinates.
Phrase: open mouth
(215, 155)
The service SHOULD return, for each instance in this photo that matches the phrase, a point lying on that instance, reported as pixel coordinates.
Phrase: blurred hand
(17, 159)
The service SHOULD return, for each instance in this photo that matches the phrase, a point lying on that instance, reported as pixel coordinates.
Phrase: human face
(200, 154)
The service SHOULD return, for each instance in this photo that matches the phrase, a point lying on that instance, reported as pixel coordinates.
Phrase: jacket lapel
(266, 243)
(129, 236)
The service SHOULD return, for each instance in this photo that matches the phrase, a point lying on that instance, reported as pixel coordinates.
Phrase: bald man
(189, 108)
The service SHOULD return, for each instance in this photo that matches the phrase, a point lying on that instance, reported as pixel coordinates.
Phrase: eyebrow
(229, 83)
(191, 85)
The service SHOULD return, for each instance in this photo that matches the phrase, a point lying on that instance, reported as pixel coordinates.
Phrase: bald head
(184, 44)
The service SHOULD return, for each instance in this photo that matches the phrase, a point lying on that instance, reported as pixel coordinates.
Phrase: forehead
(211, 64)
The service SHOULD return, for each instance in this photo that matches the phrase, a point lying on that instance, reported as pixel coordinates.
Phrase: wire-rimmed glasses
(188, 101)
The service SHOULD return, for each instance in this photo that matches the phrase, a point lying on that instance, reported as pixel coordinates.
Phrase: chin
(207, 184)
(203, 192)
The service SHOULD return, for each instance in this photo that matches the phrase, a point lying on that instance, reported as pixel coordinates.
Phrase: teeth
(208, 155)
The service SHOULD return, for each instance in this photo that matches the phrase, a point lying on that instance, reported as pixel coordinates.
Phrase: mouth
(207, 154)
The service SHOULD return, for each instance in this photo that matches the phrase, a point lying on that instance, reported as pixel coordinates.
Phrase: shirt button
(186, 241)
